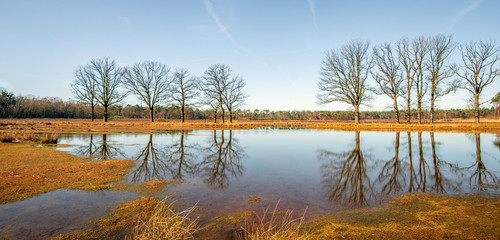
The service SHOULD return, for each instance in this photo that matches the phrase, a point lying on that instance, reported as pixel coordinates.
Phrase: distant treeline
(35, 107)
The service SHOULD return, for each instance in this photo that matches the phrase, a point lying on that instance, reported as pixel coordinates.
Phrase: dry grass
(489, 125)
(274, 225)
(142, 218)
(166, 223)
(27, 171)
(149, 187)
(119, 222)
(46, 138)
(416, 216)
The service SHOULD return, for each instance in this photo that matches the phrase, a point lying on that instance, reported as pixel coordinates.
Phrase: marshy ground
(28, 169)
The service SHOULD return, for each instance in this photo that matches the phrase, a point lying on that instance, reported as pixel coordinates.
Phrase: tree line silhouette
(35, 107)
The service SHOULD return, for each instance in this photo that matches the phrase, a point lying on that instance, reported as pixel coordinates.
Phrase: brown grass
(26, 171)
(489, 125)
(416, 216)
(274, 225)
(166, 223)
(142, 218)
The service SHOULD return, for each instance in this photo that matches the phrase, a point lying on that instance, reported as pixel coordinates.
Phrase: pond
(321, 170)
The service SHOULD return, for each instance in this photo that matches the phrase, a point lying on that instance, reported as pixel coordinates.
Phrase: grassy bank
(141, 126)
(27, 170)
(411, 216)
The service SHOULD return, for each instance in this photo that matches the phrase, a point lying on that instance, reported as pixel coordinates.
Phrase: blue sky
(276, 46)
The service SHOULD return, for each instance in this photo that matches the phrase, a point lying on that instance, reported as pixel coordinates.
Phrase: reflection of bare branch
(106, 151)
(223, 160)
(181, 160)
(87, 150)
(481, 175)
(151, 166)
(345, 178)
(392, 172)
(423, 167)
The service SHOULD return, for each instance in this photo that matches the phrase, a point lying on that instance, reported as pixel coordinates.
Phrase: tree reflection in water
(101, 150)
(151, 166)
(181, 159)
(87, 150)
(222, 161)
(481, 175)
(345, 178)
(392, 174)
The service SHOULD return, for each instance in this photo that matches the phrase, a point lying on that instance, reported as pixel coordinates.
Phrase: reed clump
(166, 223)
(274, 225)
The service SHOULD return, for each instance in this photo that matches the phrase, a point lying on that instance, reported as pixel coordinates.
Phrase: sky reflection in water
(304, 167)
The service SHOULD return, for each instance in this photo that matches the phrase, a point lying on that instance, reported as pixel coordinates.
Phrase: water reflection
(345, 178)
(221, 161)
(181, 158)
(150, 163)
(497, 141)
(99, 150)
(178, 160)
(349, 178)
(481, 176)
(392, 174)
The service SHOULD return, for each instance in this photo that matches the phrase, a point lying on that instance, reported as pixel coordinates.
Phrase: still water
(323, 171)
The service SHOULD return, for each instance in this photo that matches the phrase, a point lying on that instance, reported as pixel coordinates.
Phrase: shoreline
(144, 126)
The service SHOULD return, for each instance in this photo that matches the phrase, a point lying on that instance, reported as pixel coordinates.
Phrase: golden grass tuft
(274, 225)
(141, 218)
(166, 223)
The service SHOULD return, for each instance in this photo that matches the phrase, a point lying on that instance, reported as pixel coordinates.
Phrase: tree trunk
(419, 111)
(230, 116)
(476, 108)
(396, 111)
(151, 114)
(409, 110)
(356, 114)
(182, 112)
(105, 113)
(215, 116)
(92, 113)
(222, 114)
(432, 110)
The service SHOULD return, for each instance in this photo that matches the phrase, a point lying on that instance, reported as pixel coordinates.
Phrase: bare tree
(479, 69)
(107, 77)
(407, 63)
(150, 82)
(84, 87)
(440, 48)
(419, 50)
(388, 75)
(234, 95)
(184, 89)
(214, 85)
(343, 76)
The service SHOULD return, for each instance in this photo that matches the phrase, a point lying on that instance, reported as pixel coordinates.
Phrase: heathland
(28, 169)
